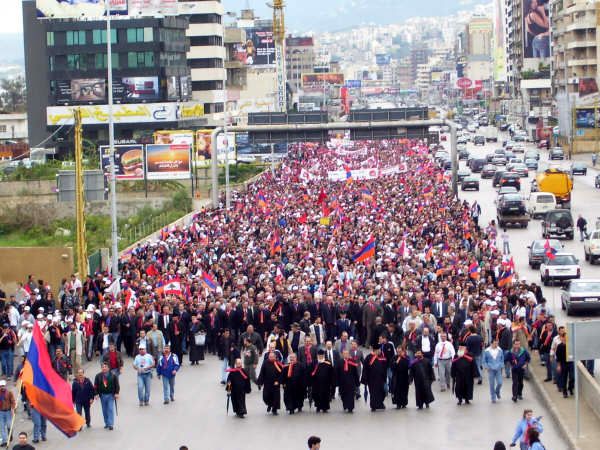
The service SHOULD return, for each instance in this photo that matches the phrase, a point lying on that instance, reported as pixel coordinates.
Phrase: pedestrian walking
(107, 388)
(7, 408)
(527, 422)
(143, 364)
(8, 340)
(83, 395)
(505, 242)
(464, 371)
(594, 159)
(493, 362)
(582, 227)
(238, 385)
(442, 361)
(519, 359)
(39, 426)
(167, 368)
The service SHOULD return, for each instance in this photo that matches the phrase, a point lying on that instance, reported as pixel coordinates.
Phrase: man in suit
(343, 343)
(307, 354)
(331, 354)
(343, 325)
(403, 311)
(371, 310)
(426, 344)
(439, 309)
(164, 321)
(245, 316)
(328, 313)
(317, 332)
(358, 357)
(296, 337)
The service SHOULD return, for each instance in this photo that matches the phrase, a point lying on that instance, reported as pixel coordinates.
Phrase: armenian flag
(550, 251)
(208, 282)
(367, 195)
(506, 278)
(429, 252)
(348, 175)
(275, 244)
(47, 392)
(474, 270)
(428, 191)
(261, 200)
(367, 251)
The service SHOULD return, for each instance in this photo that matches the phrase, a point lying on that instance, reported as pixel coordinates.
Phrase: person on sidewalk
(167, 368)
(493, 362)
(107, 388)
(143, 364)
(564, 368)
(505, 242)
(83, 395)
(527, 422)
(519, 359)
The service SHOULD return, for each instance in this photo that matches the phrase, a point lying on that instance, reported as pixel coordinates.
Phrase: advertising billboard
(203, 146)
(224, 148)
(383, 59)
(78, 8)
(353, 84)
(587, 86)
(88, 90)
(172, 88)
(129, 161)
(178, 137)
(185, 85)
(259, 48)
(145, 88)
(168, 161)
(317, 79)
(585, 118)
(536, 29)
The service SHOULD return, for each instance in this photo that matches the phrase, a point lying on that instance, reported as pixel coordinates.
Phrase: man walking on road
(167, 368)
(493, 361)
(83, 395)
(442, 360)
(519, 358)
(107, 388)
(582, 226)
(143, 363)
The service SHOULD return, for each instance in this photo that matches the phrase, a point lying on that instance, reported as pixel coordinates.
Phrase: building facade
(300, 59)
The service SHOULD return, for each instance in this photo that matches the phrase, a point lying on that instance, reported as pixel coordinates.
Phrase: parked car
(537, 251)
(581, 295)
(558, 222)
(488, 171)
(539, 203)
(591, 246)
(578, 168)
(497, 177)
(479, 139)
(556, 153)
(531, 163)
(470, 182)
(511, 179)
(559, 268)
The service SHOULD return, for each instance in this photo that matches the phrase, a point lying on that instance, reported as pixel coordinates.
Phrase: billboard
(299, 42)
(353, 84)
(129, 161)
(585, 118)
(78, 8)
(259, 48)
(203, 146)
(318, 79)
(223, 147)
(536, 29)
(144, 88)
(168, 161)
(88, 90)
(383, 59)
(587, 86)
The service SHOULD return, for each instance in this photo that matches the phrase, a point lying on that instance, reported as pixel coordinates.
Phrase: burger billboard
(129, 161)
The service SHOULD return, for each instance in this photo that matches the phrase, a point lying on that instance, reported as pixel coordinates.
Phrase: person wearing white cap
(24, 338)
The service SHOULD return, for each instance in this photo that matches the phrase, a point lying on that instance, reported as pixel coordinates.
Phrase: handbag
(200, 339)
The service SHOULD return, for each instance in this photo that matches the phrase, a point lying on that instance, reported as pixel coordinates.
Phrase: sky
(10, 19)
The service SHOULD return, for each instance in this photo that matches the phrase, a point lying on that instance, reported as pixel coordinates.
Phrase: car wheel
(562, 305)
(587, 257)
(568, 309)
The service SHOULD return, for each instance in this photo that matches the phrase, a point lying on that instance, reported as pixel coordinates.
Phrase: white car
(591, 246)
(540, 202)
(563, 267)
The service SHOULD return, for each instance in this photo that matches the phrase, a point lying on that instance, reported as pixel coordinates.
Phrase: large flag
(275, 244)
(474, 270)
(261, 200)
(550, 251)
(173, 287)
(506, 278)
(367, 251)
(48, 393)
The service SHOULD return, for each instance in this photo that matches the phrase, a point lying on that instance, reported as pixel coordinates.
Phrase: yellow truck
(557, 182)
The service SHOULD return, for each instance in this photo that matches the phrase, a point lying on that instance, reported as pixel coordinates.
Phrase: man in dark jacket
(226, 352)
(83, 395)
(519, 358)
(474, 344)
(107, 388)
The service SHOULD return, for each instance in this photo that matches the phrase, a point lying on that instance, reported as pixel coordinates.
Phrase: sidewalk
(563, 410)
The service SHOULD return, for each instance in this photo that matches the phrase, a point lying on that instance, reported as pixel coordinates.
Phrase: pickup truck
(511, 210)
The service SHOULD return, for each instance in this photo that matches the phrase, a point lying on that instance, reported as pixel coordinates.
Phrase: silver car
(581, 295)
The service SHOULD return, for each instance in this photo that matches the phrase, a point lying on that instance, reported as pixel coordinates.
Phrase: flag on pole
(173, 287)
(506, 278)
(549, 250)
(367, 251)
(261, 200)
(208, 282)
(275, 244)
(474, 271)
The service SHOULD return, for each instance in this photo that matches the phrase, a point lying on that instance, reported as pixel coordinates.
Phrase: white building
(13, 127)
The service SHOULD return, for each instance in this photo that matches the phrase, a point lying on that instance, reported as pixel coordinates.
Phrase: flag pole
(14, 412)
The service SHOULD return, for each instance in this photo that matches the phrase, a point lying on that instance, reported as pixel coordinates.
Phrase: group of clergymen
(313, 374)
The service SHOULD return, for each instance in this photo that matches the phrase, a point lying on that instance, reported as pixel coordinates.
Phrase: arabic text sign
(168, 161)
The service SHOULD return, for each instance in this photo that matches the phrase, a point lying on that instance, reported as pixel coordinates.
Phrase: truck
(555, 181)
(490, 133)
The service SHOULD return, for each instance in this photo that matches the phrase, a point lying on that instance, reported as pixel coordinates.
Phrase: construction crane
(279, 38)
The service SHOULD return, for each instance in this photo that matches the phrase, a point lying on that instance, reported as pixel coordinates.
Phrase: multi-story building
(404, 75)
(419, 54)
(206, 54)
(299, 59)
(66, 67)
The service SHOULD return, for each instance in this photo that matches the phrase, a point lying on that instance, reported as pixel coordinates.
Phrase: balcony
(576, 62)
(581, 44)
(588, 22)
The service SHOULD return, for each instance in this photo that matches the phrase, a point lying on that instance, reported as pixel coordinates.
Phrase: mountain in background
(332, 15)
(12, 48)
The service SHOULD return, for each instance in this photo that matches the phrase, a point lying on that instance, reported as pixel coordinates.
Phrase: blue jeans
(224, 367)
(541, 47)
(5, 421)
(8, 358)
(478, 364)
(546, 358)
(108, 409)
(168, 388)
(495, 380)
(144, 381)
(39, 425)
(507, 368)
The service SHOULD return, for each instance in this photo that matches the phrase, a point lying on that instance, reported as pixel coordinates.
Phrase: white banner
(366, 174)
(73, 9)
(152, 7)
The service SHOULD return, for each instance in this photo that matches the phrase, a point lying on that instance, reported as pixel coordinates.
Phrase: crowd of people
(307, 287)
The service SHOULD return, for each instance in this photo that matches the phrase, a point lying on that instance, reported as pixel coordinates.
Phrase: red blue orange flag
(506, 278)
(275, 244)
(367, 251)
(348, 175)
(429, 252)
(261, 200)
(367, 195)
(48, 393)
(549, 250)
(208, 282)
(474, 270)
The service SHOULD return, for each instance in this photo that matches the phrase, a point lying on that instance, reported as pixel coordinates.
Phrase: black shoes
(547, 379)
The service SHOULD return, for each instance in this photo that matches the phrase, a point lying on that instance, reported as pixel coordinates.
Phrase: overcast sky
(10, 19)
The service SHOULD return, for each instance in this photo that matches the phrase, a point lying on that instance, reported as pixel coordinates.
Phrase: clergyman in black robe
(238, 385)
(400, 379)
(347, 380)
(270, 378)
(374, 377)
(422, 374)
(322, 382)
(294, 385)
(463, 371)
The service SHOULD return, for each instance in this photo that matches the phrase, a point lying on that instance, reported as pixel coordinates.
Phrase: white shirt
(494, 351)
(425, 344)
(443, 350)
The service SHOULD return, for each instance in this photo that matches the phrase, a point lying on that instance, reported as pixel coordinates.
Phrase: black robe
(271, 374)
(322, 381)
(294, 391)
(374, 376)
(463, 371)
(422, 374)
(196, 351)
(238, 384)
(400, 382)
(347, 380)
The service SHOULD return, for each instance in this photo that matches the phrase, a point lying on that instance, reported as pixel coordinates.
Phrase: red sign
(464, 83)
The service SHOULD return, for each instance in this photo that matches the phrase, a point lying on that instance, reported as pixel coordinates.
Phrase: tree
(13, 94)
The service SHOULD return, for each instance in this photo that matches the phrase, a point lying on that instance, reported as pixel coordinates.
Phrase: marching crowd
(308, 288)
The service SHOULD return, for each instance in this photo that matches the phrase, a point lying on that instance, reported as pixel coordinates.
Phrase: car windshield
(557, 215)
(562, 260)
(585, 286)
(511, 197)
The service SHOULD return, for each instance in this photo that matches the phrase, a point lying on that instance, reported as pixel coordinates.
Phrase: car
(469, 182)
(476, 164)
(503, 127)
(558, 222)
(532, 154)
(439, 155)
(581, 295)
(499, 160)
(509, 154)
(597, 181)
(578, 168)
(479, 139)
(591, 246)
(538, 250)
(510, 179)
(509, 145)
(461, 140)
(518, 148)
(556, 153)
(505, 190)
(515, 160)
(542, 143)
(500, 151)
(488, 171)
(497, 177)
(462, 173)
(463, 153)
(559, 267)
(472, 128)
(520, 169)
(539, 203)
(531, 163)
(511, 209)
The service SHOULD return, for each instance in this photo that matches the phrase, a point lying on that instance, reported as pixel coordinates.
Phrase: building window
(206, 63)
(205, 41)
(51, 63)
(148, 34)
(205, 18)
(50, 38)
(99, 36)
(101, 60)
(140, 35)
(75, 37)
(75, 62)
(140, 59)
(207, 85)
(2, 128)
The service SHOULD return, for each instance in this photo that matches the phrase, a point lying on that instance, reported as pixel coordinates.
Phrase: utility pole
(82, 262)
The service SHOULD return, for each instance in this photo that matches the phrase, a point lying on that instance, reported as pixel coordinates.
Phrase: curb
(554, 411)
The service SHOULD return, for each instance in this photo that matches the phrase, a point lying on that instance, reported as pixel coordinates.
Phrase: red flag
(303, 218)
(322, 197)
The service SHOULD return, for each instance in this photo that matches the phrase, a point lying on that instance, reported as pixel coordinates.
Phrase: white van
(540, 202)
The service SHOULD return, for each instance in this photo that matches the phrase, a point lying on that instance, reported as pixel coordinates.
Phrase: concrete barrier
(589, 389)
